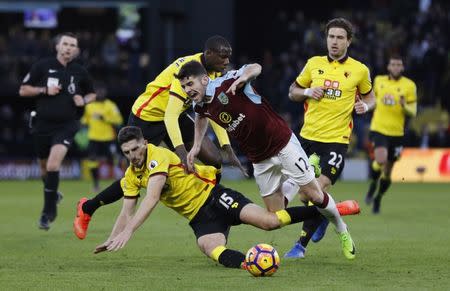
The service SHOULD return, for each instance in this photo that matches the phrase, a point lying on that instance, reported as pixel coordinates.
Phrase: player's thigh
(275, 201)
(307, 145)
(395, 148)
(257, 216)
(268, 175)
(42, 145)
(153, 131)
(381, 144)
(56, 156)
(105, 150)
(228, 204)
(93, 150)
(295, 163)
(65, 134)
(207, 221)
(332, 159)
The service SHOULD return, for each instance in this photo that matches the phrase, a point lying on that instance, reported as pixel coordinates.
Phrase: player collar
(203, 60)
(210, 90)
(342, 60)
(394, 79)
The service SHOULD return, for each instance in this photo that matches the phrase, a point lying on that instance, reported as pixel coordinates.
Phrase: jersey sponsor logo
(233, 125)
(225, 117)
(332, 89)
(223, 98)
(321, 72)
(347, 74)
(51, 71)
(388, 100)
(153, 164)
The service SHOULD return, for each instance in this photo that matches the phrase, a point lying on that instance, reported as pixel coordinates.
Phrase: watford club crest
(223, 98)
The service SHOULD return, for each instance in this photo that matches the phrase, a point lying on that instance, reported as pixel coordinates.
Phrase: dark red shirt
(247, 117)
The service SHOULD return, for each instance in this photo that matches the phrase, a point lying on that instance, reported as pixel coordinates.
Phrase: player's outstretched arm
(173, 111)
(148, 204)
(249, 73)
(234, 160)
(128, 208)
(201, 125)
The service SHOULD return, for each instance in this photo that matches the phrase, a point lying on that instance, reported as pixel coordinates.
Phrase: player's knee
(381, 159)
(312, 192)
(53, 166)
(272, 222)
(217, 161)
(208, 243)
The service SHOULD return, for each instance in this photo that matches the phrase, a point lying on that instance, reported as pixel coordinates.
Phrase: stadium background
(126, 44)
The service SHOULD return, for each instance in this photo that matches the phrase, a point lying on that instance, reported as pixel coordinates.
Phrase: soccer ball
(262, 260)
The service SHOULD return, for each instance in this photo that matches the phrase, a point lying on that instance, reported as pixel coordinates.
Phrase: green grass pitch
(407, 246)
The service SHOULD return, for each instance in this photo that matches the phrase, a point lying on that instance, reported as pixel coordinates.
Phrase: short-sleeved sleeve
(34, 75)
(130, 185)
(365, 83)
(86, 83)
(304, 78)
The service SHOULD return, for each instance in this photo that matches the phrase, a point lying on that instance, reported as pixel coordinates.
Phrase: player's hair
(216, 42)
(341, 23)
(190, 69)
(395, 57)
(128, 133)
(69, 34)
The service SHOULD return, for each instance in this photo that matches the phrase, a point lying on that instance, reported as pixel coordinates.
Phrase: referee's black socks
(51, 183)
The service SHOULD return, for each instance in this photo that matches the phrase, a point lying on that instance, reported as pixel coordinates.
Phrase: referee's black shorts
(46, 135)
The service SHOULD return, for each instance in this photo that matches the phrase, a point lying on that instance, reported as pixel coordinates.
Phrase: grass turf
(405, 247)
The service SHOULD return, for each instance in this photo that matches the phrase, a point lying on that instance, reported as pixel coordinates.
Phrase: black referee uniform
(57, 119)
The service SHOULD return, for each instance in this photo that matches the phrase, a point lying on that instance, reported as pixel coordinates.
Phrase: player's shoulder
(185, 59)
(45, 63)
(408, 81)
(317, 60)
(157, 152)
(381, 78)
(357, 64)
(179, 62)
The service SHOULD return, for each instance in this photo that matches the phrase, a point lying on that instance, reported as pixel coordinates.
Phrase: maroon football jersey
(247, 117)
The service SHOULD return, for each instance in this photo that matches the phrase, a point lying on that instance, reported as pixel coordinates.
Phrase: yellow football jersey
(389, 117)
(101, 117)
(330, 120)
(184, 193)
(151, 105)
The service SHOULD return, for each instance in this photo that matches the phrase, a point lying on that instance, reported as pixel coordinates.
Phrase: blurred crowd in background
(417, 32)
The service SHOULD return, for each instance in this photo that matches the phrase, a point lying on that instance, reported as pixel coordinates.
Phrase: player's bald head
(217, 43)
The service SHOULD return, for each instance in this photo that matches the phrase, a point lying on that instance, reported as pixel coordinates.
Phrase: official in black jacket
(61, 88)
